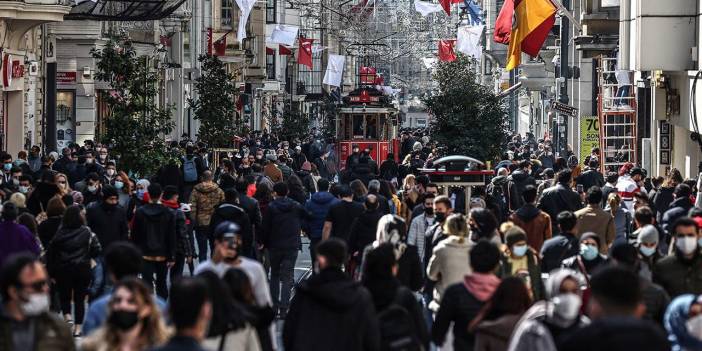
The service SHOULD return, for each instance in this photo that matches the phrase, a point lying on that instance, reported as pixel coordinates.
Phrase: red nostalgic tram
(367, 118)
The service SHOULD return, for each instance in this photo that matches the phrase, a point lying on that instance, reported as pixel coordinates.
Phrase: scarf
(481, 285)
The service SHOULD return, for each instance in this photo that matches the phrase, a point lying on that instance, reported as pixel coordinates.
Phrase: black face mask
(123, 320)
(429, 211)
(440, 217)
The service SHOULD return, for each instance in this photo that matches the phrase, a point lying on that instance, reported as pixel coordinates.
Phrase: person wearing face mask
(647, 245)
(110, 173)
(519, 258)
(616, 307)
(102, 158)
(588, 258)
(679, 273)
(69, 257)
(133, 322)
(25, 320)
(123, 187)
(419, 226)
(93, 189)
(547, 323)
(6, 161)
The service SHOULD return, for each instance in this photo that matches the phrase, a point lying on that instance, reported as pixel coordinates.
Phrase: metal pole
(563, 96)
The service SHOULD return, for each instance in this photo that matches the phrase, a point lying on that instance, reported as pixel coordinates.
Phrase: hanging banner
(335, 70)
(589, 135)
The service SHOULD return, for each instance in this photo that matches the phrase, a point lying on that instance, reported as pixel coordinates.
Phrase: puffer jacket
(559, 198)
(318, 206)
(282, 224)
(203, 200)
(71, 248)
(679, 275)
(448, 265)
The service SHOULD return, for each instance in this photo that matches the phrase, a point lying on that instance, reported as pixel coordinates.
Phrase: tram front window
(371, 127)
(358, 126)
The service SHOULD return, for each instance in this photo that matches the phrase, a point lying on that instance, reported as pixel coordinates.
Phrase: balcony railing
(123, 10)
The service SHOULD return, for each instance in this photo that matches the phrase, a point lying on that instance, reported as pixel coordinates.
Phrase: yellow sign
(589, 135)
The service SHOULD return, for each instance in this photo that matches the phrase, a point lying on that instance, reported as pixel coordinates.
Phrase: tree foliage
(136, 126)
(467, 117)
(215, 106)
(293, 124)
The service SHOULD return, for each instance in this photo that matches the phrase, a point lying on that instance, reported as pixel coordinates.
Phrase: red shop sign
(17, 69)
(65, 77)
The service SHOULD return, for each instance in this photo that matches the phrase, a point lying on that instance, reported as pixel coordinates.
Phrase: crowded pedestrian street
(350, 175)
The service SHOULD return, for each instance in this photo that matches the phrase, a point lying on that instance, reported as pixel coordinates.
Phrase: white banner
(426, 8)
(245, 6)
(283, 34)
(468, 40)
(335, 70)
(429, 62)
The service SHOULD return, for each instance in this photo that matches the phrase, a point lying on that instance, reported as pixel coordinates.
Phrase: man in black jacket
(678, 208)
(330, 311)
(561, 246)
(517, 182)
(560, 197)
(154, 233)
(282, 226)
(184, 250)
(591, 176)
(108, 220)
(230, 210)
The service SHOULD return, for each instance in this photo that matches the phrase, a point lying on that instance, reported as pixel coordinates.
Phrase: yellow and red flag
(528, 23)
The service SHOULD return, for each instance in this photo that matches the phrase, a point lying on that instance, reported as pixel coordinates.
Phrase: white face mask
(694, 326)
(567, 306)
(686, 245)
(92, 188)
(38, 303)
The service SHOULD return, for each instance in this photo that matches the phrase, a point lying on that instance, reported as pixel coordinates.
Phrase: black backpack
(396, 330)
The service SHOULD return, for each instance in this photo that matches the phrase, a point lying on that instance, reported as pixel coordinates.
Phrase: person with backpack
(400, 318)
(192, 167)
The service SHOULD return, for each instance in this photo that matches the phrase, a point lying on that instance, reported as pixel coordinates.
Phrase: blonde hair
(68, 189)
(456, 225)
(19, 200)
(614, 200)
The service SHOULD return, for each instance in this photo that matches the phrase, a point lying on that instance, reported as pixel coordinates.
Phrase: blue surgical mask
(119, 185)
(140, 194)
(7, 167)
(647, 251)
(588, 252)
(519, 250)
(23, 189)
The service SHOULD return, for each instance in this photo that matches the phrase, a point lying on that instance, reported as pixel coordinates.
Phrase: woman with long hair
(450, 260)
(622, 217)
(495, 322)
(359, 190)
(62, 182)
(133, 322)
(393, 230)
(260, 317)
(124, 190)
(229, 329)
(297, 190)
(264, 195)
(664, 196)
(69, 258)
(48, 228)
(483, 225)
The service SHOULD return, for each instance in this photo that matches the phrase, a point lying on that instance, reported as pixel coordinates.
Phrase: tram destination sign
(564, 109)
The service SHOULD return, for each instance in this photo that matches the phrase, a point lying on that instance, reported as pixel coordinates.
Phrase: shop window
(270, 11)
(226, 13)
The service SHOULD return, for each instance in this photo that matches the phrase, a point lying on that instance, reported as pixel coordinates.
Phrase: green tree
(467, 117)
(136, 125)
(215, 106)
(293, 124)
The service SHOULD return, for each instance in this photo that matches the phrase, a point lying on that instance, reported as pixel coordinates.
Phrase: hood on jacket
(675, 321)
(527, 212)
(500, 328)
(152, 211)
(70, 238)
(519, 176)
(332, 289)
(500, 180)
(283, 204)
(481, 285)
(170, 204)
(682, 202)
(322, 197)
(206, 187)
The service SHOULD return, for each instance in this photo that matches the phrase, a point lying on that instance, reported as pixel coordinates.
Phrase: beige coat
(448, 264)
(594, 219)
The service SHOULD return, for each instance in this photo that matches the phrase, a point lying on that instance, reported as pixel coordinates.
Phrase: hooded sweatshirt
(481, 285)
(318, 206)
(332, 302)
(155, 231)
(282, 224)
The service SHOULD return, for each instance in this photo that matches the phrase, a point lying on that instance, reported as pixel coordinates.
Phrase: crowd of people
(551, 254)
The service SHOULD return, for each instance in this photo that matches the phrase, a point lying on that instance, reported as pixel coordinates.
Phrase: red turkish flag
(446, 50)
(282, 50)
(220, 46)
(503, 24)
(446, 4)
(304, 53)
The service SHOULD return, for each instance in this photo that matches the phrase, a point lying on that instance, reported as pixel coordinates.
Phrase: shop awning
(123, 10)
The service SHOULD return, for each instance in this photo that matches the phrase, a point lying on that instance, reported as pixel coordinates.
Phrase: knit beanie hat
(306, 166)
(514, 235)
(648, 234)
(108, 191)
